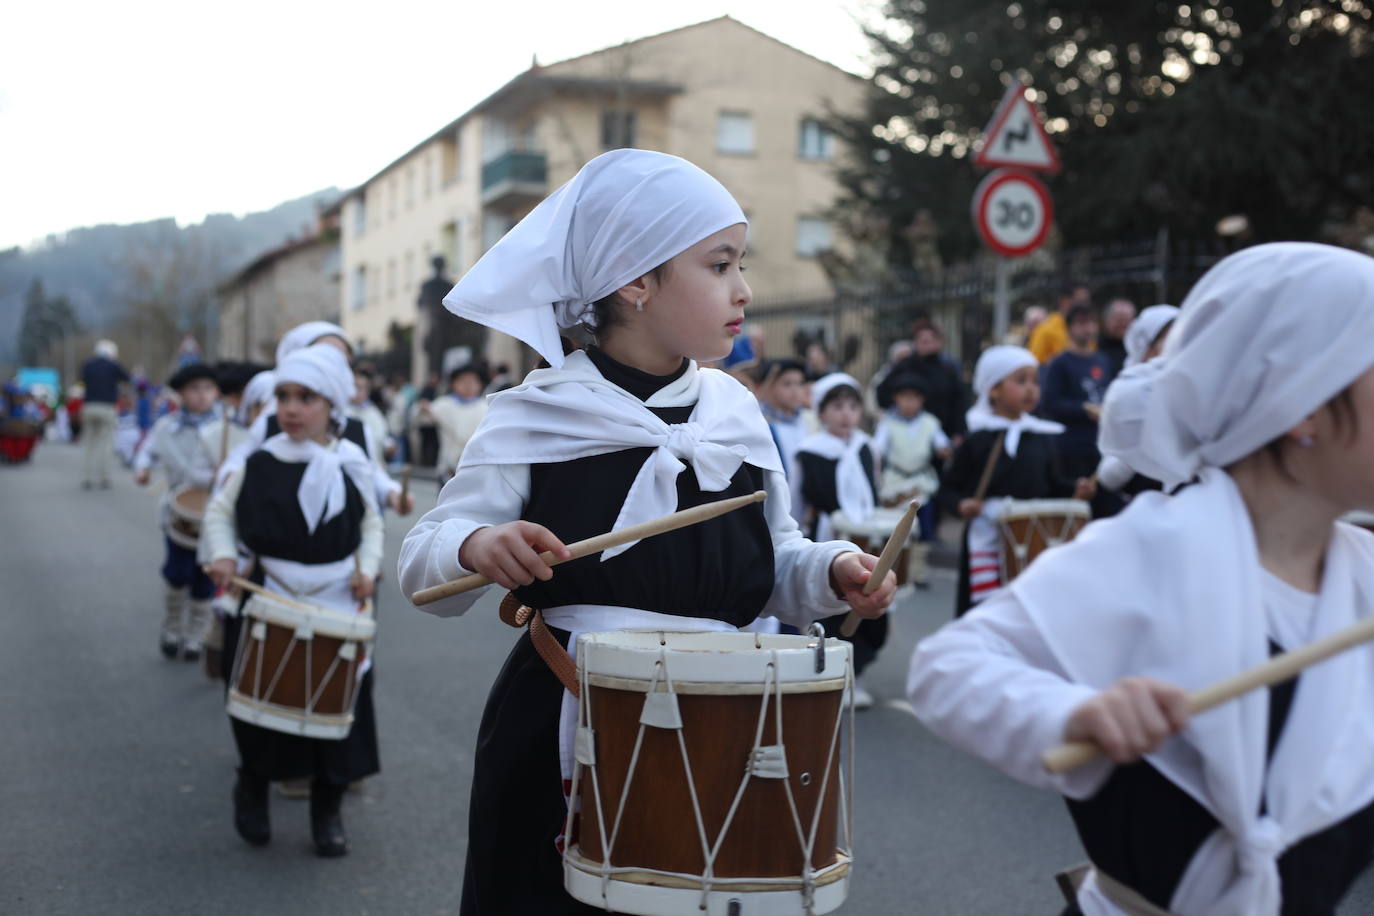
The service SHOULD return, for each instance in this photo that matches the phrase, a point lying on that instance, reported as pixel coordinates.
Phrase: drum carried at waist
(296, 669)
(872, 533)
(185, 512)
(708, 774)
(1027, 527)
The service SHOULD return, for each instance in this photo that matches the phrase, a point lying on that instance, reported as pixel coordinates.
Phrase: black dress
(820, 492)
(720, 569)
(1167, 826)
(269, 522)
(1032, 474)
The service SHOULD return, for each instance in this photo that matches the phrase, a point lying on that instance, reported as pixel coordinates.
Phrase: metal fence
(858, 327)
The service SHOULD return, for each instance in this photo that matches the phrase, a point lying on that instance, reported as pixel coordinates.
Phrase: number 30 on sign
(1012, 211)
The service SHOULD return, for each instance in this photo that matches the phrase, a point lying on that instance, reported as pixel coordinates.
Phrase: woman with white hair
(304, 505)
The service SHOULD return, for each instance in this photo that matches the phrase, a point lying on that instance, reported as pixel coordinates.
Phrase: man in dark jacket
(939, 377)
(102, 376)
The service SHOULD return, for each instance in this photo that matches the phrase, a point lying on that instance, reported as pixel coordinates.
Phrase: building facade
(289, 285)
(740, 104)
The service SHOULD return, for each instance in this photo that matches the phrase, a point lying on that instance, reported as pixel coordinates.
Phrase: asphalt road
(116, 766)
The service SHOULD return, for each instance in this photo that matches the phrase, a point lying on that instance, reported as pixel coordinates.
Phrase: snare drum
(185, 511)
(296, 668)
(709, 765)
(1026, 527)
(871, 535)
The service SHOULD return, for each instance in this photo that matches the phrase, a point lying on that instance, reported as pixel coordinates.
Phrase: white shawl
(573, 412)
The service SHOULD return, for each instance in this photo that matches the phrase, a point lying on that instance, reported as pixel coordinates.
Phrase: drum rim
(836, 871)
(1040, 508)
(320, 620)
(714, 688)
(746, 662)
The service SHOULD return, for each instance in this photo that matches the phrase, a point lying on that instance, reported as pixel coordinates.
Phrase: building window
(617, 129)
(813, 236)
(735, 132)
(359, 287)
(427, 166)
(360, 215)
(816, 141)
(409, 274)
(410, 187)
(391, 278)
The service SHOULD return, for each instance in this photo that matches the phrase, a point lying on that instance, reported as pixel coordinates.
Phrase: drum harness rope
(765, 762)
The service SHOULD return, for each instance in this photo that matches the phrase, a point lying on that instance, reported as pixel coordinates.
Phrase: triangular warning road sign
(1016, 136)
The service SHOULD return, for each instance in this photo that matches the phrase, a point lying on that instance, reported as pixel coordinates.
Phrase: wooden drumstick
(267, 593)
(680, 519)
(1275, 671)
(891, 551)
(986, 479)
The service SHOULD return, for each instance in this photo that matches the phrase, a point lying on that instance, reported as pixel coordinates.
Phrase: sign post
(1011, 207)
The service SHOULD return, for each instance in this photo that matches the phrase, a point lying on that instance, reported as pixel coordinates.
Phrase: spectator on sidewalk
(1075, 384)
(1051, 336)
(101, 375)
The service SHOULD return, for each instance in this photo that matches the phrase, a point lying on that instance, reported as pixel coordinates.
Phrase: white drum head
(1034, 508)
(706, 662)
(316, 619)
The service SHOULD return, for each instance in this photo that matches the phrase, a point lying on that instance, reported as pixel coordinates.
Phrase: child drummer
(1264, 805)
(910, 442)
(1007, 383)
(645, 250)
(303, 503)
(174, 445)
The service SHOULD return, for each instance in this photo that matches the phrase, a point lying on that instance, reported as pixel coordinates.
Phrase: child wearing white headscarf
(1264, 805)
(1144, 342)
(1007, 383)
(643, 250)
(303, 506)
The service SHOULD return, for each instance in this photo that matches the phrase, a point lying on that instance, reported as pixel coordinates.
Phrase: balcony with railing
(515, 178)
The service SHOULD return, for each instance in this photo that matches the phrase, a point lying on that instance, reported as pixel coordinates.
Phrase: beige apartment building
(281, 288)
(740, 104)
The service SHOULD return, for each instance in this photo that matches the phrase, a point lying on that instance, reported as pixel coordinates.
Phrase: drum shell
(720, 695)
(1027, 528)
(719, 731)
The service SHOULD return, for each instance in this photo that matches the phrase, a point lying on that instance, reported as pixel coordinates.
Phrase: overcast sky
(120, 112)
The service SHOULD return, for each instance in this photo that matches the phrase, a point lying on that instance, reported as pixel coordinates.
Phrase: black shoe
(326, 824)
(250, 809)
(170, 646)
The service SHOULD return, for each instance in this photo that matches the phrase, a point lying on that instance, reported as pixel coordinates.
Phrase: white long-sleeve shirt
(484, 495)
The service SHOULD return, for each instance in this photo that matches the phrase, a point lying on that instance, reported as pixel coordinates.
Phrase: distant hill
(91, 265)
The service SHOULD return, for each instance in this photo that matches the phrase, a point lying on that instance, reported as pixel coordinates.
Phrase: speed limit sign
(1012, 211)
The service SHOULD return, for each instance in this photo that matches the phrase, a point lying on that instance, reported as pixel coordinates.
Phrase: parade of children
(1165, 646)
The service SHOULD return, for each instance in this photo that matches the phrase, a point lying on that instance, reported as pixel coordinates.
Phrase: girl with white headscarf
(643, 250)
(1261, 404)
(303, 505)
(1006, 381)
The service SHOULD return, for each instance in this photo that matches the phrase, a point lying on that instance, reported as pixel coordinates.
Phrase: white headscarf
(827, 383)
(259, 390)
(1266, 337)
(107, 348)
(625, 213)
(325, 371)
(994, 366)
(1145, 329)
(306, 334)
(321, 495)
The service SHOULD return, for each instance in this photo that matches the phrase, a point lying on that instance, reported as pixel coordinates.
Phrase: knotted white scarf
(852, 486)
(564, 414)
(321, 494)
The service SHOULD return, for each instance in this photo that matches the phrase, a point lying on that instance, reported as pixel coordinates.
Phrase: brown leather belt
(545, 643)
